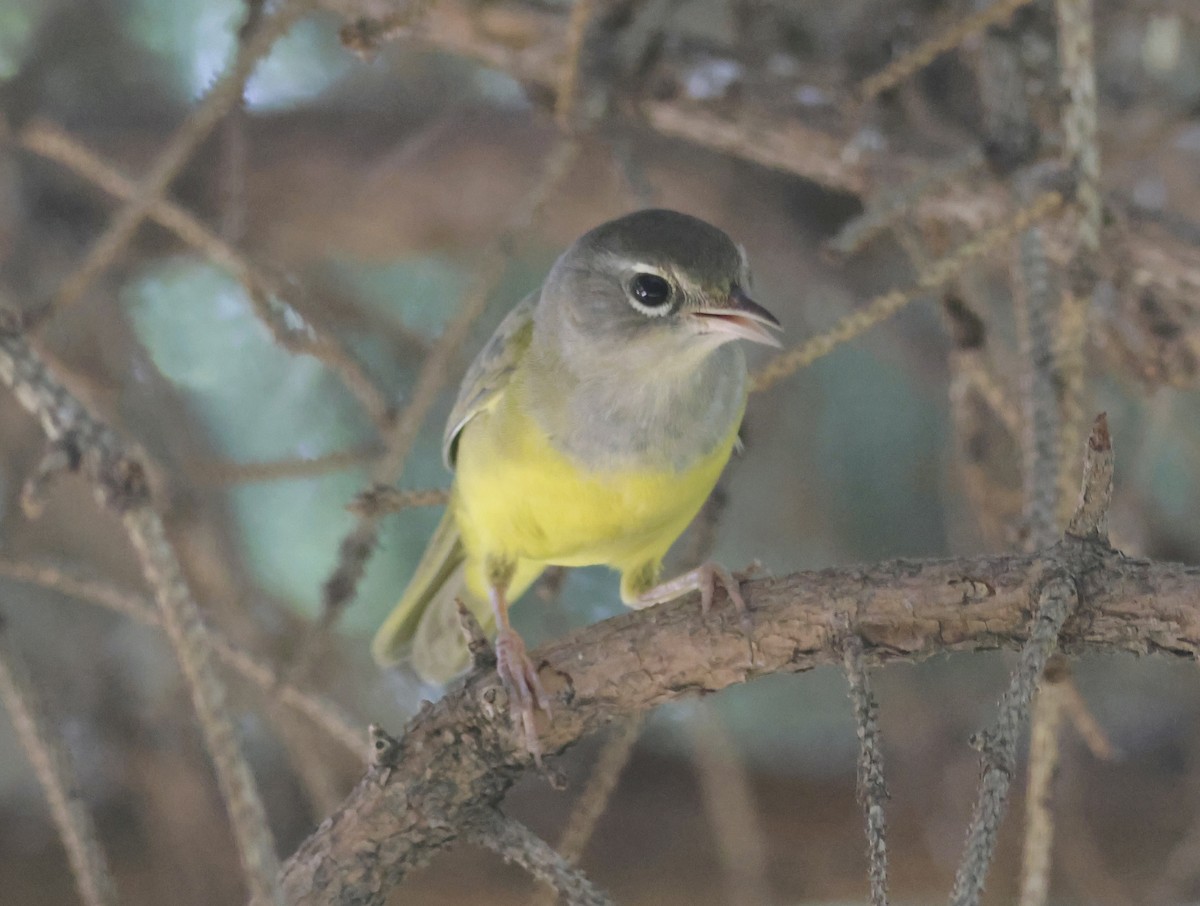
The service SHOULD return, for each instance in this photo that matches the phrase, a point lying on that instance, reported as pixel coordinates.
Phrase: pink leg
(518, 674)
(702, 579)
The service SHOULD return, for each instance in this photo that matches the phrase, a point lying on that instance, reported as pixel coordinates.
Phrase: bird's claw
(525, 691)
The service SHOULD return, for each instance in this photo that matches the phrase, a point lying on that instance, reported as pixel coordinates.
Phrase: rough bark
(461, 753)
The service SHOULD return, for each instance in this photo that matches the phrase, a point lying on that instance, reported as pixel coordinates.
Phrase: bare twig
(1057, 597)
(221, 97)
(517, 843)
(1076, 53)
(247, 665)
(732, 813)
(883, 307)
(54, 771)
(925, 53)
(1035, 323)
(597, 792)
(1053, 605)
(881, 213)
(1085, 724)
(225, 472)
(566, 99)
(231, 178)
(1090, 519)
(385, 499)
(872, 788)
(120, 482)
(262, 291)
(1044, 738)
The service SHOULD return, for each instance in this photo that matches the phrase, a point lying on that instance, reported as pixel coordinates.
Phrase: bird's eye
(651, 293)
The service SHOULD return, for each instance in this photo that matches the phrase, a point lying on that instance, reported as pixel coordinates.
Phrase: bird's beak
(740, 318)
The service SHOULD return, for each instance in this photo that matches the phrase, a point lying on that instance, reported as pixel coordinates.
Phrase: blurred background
(374, 189)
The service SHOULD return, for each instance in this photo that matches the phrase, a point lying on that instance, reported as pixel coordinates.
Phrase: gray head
(655, 286)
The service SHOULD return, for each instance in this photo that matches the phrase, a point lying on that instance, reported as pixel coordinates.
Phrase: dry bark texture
(461, 754)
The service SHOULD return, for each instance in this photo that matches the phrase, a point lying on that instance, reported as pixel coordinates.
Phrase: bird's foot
(525, 691)
(703, 579)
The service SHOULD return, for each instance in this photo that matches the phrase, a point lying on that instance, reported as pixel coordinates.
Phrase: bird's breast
(625, 484)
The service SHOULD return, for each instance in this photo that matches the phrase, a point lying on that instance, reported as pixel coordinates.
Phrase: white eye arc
(650, 292)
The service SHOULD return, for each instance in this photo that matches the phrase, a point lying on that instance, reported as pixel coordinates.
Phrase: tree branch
(121, 484)
(461, 753)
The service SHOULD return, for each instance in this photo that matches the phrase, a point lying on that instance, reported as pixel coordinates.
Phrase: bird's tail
(423, 628)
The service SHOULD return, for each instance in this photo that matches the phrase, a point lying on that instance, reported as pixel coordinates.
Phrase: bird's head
(658, 282)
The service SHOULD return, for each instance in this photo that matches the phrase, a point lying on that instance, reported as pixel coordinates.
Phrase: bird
(590, 429)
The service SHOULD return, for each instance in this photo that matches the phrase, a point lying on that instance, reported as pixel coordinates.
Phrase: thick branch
(461, 753)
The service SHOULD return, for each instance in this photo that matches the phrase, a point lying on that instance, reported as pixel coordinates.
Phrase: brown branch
(461, 753)
(593, 799)
(245, 664)
(380, 501)
(1056, 595)
(226, 92)
(732, 813)
(883, 307)
(1077, 76)
(227, 472)
(1044, 753)
(120, 482)
(518, 844)
(262, 291)
(55, 773)
(1041, 442)
(928, 51)
(872, 787)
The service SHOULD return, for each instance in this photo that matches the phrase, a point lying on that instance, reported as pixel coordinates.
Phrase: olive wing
(490, 373)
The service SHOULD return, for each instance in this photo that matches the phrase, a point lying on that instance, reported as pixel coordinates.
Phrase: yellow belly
(519, 499)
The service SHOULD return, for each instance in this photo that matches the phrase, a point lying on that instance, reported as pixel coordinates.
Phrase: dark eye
(650, 290)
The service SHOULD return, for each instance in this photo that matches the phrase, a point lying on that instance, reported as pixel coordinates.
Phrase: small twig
(998, 746)
(120, 482)
(248, 666)
(385, 499)
(881, 213)
(54, 771)
(969, 335)
(732, 814)
(883, 307)
(1090, 519)
(518, 844)
(925, 53)
(221, 97)
(872, 788)
(1044, 752)
(1035, 324)
(1077, 68)
(596, 793)
(262, 291)
(1085, 724)
(566, 100)
(224, 472)
(231, 177)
